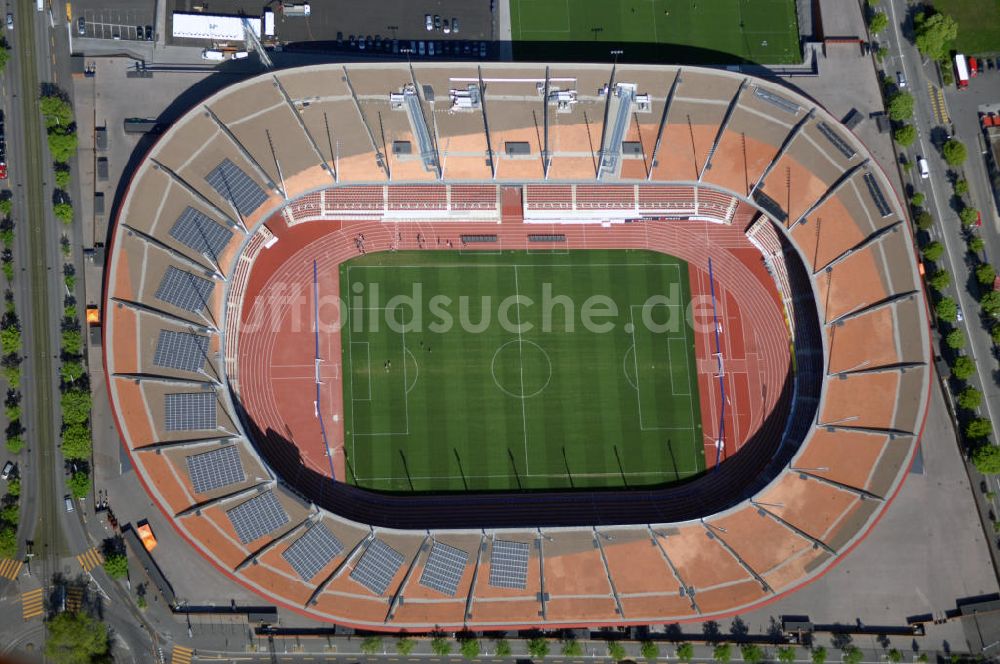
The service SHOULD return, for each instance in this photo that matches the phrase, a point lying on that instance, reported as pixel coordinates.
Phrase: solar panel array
(509, 564)
(190, 411)
(377, 566)
(842, 146)
(200, 232)
(185, 290)
(443, 569)
(257, 517)
(777, 100)
(180, 350)
(236, 187)
(313, 551)
(215, 469)
(877, 196)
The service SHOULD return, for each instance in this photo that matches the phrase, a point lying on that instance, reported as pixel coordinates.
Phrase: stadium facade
(693, 162)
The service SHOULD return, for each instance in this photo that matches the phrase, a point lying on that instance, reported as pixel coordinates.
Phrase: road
(923, 78)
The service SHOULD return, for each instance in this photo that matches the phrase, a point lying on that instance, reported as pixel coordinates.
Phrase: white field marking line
(369, 356)
(406, 399)
(551, 252)
(416, 377)
(687, 374)
(631, 349)
(350, 360)
(520, 360)
(635, 356)
(635, 362)
(438, 266)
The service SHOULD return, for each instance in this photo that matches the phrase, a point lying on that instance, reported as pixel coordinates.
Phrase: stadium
(338, 303)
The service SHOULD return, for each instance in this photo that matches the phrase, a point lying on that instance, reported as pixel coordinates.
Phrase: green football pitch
(681, 31)
(518, 370)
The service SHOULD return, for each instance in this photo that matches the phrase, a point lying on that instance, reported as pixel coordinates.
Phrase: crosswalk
(938, 104)
(33, 603)
(181, 655)
(74, 598)
(90, 559)
(9, 569)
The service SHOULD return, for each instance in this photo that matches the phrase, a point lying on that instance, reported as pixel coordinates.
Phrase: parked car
(925, 171)
(351, 41)
(437, 22)
(7, 468)
(139, 33)
(901, 79)
(454, 25)
(68, 501)
(430, 48)
(421, 48)
(482, 49)
(81, 26)
(428, 22)
(10, 21)
(447, 27)
(149, 33)
(369, 42)
(378, 42)
(340, 39)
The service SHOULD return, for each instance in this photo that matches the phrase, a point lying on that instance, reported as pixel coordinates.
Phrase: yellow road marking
(9, 569)
(33, 603)
(90, 559)
(181, 655)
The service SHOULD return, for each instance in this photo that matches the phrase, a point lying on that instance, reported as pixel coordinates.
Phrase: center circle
(521, 369)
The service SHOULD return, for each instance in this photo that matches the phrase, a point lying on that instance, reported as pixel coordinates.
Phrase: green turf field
(484, 404)
(978, 24)
(681, 31)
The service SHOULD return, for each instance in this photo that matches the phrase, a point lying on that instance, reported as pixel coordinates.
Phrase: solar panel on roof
(377, 566)
(257, 517)
(200, 232)
(215, 469)
(509, 564)
(237, 187)
(313, 551)
(443, 569)
(180, 350)
(185, 290)
(190, 411)
(877, 196)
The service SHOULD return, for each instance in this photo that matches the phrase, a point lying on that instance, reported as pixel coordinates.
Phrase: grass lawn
(684, 31)
(518, 396)
(978, 24)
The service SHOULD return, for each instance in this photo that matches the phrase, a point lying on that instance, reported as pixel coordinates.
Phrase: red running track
(276, 355)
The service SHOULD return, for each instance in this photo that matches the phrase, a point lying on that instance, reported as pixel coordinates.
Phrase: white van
(209, 54)
(69, 503)
(925, 171)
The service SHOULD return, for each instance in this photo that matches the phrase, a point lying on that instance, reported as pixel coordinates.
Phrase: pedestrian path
(9, 569)
(33, 603)
(181, 655)
(90, 559)
(938, 104)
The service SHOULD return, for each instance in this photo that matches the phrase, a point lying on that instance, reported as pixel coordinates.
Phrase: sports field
(680, 31)
(518, 370)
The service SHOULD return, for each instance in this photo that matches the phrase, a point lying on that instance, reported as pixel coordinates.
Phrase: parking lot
(127, 24)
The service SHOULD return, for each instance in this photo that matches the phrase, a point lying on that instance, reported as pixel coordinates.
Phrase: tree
(819, 655)
(62, 144)
(786, 654)
(976, 244)
(940, 280)
(979, 427)
(572, 648)
(900, 106)
(894, 656)
(538, 647)
(970, 398)
(76, 442)
(649, 650)
(440, 646)
(63, 212)
(852, 655)
(71, 371)
(985, 274)
(955, 339)
(10, 340)
(961, 187)
(954, 152)
(924, 220)
(917, 199)
(6, 205)
(470, 648)
(8, 541)
(15, 444)
(722, 653)
(56, 110)
(405, 645)
(502, 648)
(968, 216)
(962, 367)
(990, 302)
(4, 53)
(752, 653)
(14, 487)
(986, 459)
(685, 652)
(75, 405)
(371, 645)
(946, 309)
(878, 22)
(79, 485)
(616, 651)
(905, 135)
(116, 566)
(934, 35)
(881, 53)
(62, 177)
(995, 333)
(76, 638)
(933, 251)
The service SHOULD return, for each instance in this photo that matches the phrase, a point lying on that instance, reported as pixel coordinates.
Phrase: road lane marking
(181, 655)
(9, 569)
(33, 603)
(90, 559)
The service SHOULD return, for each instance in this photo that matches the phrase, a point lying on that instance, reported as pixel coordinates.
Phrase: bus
(961, 72)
